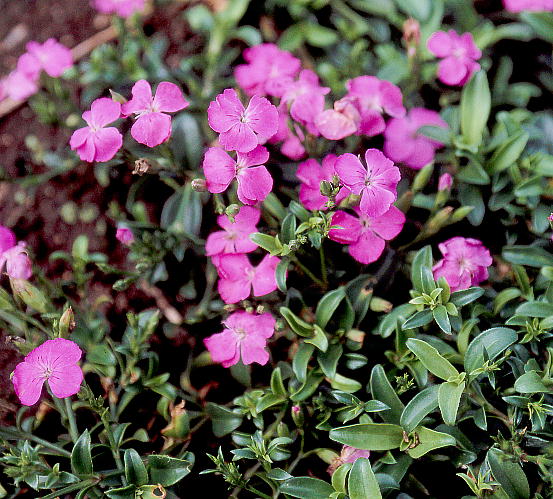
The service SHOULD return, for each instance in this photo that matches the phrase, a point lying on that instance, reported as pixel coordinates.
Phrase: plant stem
(113, 445)
(10, 434)
(308, 273)
(73, 430)
(70, 488)
(324, 272)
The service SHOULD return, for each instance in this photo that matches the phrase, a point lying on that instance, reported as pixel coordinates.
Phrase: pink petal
(247, 217)
(87, 150)
(240, 137)
(27, 382)
(264, 325)
(253, 349)
(169, 98)
(18, 264)
(351, 172)
(59, 352)
(467, 42)
(217, 242)
(375, 200)
(350, 228)
(79, 137)
(235, 267)
(107, 141)
(333, 125)
(440, 44)
(262, 117)
(392, 99)
(141, 99)
(66, 381)
(152, 129)
(379, 166)
(388, 225)
(7, 239)
(223, 347)
(257, 156)
(225, 111)
(368, 248)
(104, 111)
(219, 169)
(264, 281)
(372, 123)
(254, 184)
(451, 71)
(233, 291)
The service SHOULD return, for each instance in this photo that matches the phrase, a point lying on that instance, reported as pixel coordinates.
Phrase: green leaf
(304, 487)
(121, 492)
(288, 230)
(509, 474)
(466, 296)
(339, 477)
(268, 243)
(449, 396)
(420, 279)
(81, 456)
(429, 441)
(345, 384)
(299, 326)
(535, 309)
(277, 386)
(135, 471)
(186, 140)
(422, 404)
(223, 420)
(509, 152)
(419, 9)
(418, 319)
(470, 195)
(531, 382)
(527, 255)
(431, 359)
(503, 297)
(167, 470)
(319, 36)
(475, 108)
(436, 133)
(493, 341)
(541, 22)
(301, 360)
(362, 483)
(318, 339)
(369, 436)
(182, 212)
(382, 390)
(442, 319)
(281, 274)
(327, 306)
(329, 360)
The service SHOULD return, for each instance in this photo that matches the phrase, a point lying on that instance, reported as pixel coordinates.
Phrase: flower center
(240, 333)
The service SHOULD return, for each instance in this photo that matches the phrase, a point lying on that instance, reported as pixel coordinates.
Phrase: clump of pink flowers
(55, 362)
(404, 144)
(13, 255)
(123, 8)
(464, 264)
(244, 338)
(458, 54)
(124, 235)
(234, 238)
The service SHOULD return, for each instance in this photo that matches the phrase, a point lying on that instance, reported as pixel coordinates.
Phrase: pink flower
(153, 126)
(348, 455)
(238, 276)
(292, 146)
(123, 8)
(373, 97)
(14, 256)
(311, 174)
(124, 235)
(445, 182)
(268, 71)
(530, 5)
(254, 182)
(305, 98)
(376, 184)
(403, 144)
(242, 129)
(22, 82)
(235, 238)
(54, 361)
(366, 235)
(245, 336)
(465, 263)
(95, 142)
(51, 56)
(340, 122)
(459, 54)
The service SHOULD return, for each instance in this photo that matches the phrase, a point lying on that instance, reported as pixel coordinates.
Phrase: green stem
(113, 445)
(70, 488)
(9, 434)
(258, 493)
(324, 272)
(308, 273)
(73, 430)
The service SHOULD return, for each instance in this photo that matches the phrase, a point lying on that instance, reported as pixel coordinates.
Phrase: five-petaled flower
(234, 238)
(153, 126)
(245, 336)
(376, 183)
(242, 129)
(55, 361)
(95, 142)
(13, 255)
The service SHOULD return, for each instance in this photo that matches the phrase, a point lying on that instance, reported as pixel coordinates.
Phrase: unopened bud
(199, 185)
(355, 335)
(117, 97)
(326, 188)
(438, 221)
(141, 166)
(67, 323)
(460, 213)
(231, 211)
(380, 305)
(411, 35)
(422, 178)
(297, 415)
(445, 182)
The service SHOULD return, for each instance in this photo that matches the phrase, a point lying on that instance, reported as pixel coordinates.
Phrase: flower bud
(141, 166)
(326, 188)
(438, 221)
(411, 36)
(124, 235)
(422, 178)
(380, 305)
(461, 213)
(297, 415)
(199, 185)
(117, 97)
(231, 211)
(445, 182)
(67, 323)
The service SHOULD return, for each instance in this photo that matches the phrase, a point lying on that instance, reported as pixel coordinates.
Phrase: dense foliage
(338, 229)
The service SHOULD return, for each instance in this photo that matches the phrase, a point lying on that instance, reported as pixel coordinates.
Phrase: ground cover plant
(280, 249)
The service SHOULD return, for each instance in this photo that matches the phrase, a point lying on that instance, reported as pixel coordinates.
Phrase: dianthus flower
(268, 71)
(124, 235)
(365, 235)
(152, 126)
(242, 129)
(376, 183)
(254, 181)
(123, 8)
(13, 255)
(465, 263)
(245, 336)
(374, 97)
(22, 82)
(235, 236)
(291, 141)
(459, 54)
(95, 142)
(53, 57)
(311, 174)
(54, 361)
(348, 455)
(529, 5)
(403, 144)
(238, 277)
(341, 121)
